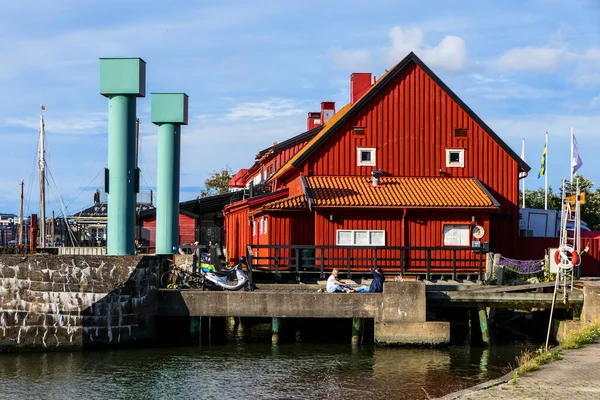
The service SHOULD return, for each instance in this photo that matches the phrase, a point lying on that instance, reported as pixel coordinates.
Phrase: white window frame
(351, 235)
(264, 220)
(457, 235)
(360, 150)
(253, 228)
(461, 158)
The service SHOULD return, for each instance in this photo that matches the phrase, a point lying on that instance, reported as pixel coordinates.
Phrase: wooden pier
(399, 313)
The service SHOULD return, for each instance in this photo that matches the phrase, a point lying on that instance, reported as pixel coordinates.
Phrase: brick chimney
(327, 110)
(313, 120)
(360, 82)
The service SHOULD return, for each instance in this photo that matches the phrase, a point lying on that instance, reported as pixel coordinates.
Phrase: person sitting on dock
(376, 285)
(335, 285)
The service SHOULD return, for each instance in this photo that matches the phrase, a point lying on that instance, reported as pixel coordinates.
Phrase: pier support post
(483, 324)
(121, 80)
(195, 329)
(357, 328)
(169, 112)
(204, 330)
(218, 330)
(275, 325)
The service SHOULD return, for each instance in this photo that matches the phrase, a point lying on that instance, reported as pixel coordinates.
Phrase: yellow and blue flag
(543, 166)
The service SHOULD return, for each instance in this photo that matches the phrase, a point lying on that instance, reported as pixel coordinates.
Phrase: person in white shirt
(335, 285)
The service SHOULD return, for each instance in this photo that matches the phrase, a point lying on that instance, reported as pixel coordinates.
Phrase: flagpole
(523, 157)
(571, 159)
(546, 177)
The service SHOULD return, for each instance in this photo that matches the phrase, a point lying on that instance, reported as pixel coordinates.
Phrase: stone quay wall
(50, 302)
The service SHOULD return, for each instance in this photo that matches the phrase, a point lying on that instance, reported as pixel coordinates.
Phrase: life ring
(567, 249)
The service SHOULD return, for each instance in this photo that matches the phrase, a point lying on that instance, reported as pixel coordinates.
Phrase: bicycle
(178, 277)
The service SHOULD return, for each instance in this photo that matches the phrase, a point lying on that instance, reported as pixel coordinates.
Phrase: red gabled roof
(350, 109)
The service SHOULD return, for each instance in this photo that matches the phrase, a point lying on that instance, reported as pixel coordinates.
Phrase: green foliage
(217, 183)
(590, 211)
(530, 361)
(585, 336)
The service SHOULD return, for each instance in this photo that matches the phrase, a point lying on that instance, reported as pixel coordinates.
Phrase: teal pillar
(169, 112)
(121, 81)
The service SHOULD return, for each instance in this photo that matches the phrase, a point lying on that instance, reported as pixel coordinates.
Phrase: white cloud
(352, 59)
(264, 110)
(449, 54)
(88, 123)
(545, 59)
(586, 79)
(541, 59)
(501, 89)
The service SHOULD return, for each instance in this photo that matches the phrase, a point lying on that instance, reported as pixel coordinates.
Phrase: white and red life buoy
(571, 257)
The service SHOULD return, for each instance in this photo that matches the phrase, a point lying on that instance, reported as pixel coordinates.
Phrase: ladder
(567, 254)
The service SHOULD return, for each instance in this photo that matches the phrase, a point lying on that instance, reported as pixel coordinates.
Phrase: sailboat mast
(21, 214)
(42, 169)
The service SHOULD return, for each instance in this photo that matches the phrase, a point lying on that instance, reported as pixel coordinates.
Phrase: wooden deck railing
(405, 260)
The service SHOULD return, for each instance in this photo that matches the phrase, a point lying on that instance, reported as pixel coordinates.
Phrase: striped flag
(543, 166)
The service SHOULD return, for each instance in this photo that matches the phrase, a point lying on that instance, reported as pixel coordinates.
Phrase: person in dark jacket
(376, 285)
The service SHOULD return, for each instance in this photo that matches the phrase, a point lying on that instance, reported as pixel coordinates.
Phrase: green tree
(535, 199)
(590, 211)
(217, 183)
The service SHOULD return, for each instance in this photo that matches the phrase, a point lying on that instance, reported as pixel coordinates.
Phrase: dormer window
(366, 156)
(455, 158)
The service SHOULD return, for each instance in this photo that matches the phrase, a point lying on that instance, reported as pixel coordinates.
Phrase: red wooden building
(199, 220)
(404, 163)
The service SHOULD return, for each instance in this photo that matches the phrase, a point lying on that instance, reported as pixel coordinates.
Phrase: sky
(254, 69)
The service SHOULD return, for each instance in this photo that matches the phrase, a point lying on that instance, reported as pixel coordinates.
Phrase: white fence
(81, 251)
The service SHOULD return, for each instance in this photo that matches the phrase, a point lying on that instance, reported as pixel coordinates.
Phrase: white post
(523, 177)
(546, 176)
(571, 159)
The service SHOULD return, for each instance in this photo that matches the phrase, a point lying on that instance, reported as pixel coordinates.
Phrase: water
(252, 371)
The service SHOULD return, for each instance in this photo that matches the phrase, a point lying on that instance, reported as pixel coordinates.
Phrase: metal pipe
(121, 160)
(167, 211)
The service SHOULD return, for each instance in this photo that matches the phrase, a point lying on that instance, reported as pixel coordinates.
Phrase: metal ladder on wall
(567, 254)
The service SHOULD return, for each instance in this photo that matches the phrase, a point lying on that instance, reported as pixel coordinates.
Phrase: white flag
(576, 162)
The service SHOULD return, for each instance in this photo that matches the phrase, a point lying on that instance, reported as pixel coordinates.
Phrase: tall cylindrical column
(121, 81)
(121, 166)
(169, 112)
(167, 210)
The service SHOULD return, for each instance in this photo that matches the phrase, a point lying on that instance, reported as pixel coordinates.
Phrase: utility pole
(52, 229)
(21, 214)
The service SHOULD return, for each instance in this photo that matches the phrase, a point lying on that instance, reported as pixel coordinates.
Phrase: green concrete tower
(169, 112)
(121, 80)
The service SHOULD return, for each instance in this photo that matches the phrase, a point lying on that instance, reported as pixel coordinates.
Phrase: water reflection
(252, 370)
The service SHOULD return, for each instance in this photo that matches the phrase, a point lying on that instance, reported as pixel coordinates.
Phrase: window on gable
(366, 156)
(455, 158)
(460, 132)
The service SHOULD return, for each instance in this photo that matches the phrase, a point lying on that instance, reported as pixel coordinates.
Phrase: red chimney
(327, 110)
(313, 120)
(360, 82)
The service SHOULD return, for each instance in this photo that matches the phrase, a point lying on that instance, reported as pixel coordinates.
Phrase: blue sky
(254, 69)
